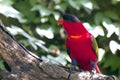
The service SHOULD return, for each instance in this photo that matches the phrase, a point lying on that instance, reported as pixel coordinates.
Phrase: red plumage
(79, 42)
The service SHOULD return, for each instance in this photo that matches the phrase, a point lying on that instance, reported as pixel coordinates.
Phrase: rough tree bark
(24, 66)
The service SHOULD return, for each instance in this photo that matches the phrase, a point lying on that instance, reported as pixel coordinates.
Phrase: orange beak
(60, 21)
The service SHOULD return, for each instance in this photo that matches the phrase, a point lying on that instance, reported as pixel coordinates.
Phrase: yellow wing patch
(95, 45)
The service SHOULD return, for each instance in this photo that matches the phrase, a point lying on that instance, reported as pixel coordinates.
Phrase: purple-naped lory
(81, 45)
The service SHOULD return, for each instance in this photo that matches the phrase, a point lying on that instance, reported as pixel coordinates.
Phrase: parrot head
(69, 18)
(72, 25)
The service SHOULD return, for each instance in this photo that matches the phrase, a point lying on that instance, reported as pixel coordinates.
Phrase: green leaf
(115, 1)
(9, 11)
(112, 15)
(57, 1)
(99, 18)
(74, 4)
(95, 4)
(113, 62)
(34, 42)
(87, 4)
(56, 15)
(114, 46)
(88, 10)
(33, 2)
(37, 7)
(45, 12)
(45, 26)
(25, 8)
(55, 60)
(6, 2)
(42, 10)
(61, 7)
(47, 33)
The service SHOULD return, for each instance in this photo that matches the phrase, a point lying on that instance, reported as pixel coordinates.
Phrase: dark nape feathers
(71, 18)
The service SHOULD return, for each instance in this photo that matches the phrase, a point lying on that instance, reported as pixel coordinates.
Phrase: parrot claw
(71, 71)
(92, 73)
(68, 77)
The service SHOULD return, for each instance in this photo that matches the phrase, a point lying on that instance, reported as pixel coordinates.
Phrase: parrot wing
(95, 46)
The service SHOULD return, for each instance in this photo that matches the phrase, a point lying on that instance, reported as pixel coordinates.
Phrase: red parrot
(81, 45)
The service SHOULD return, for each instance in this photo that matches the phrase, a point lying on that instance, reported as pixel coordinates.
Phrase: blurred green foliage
(33, 23)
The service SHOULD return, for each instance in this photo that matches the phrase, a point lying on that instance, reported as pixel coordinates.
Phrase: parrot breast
(81, 50)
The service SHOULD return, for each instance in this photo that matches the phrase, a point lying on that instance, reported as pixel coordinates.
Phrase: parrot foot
(91, 76)
(93, 71)
(68, 77)
(70, 72)
(73, 70)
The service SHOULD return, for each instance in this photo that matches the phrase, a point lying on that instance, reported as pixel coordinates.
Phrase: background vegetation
(33, 23)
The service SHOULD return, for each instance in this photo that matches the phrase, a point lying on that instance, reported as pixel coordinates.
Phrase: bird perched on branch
(81, 45)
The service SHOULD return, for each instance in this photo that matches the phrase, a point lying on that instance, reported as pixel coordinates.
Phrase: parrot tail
(97, 69)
